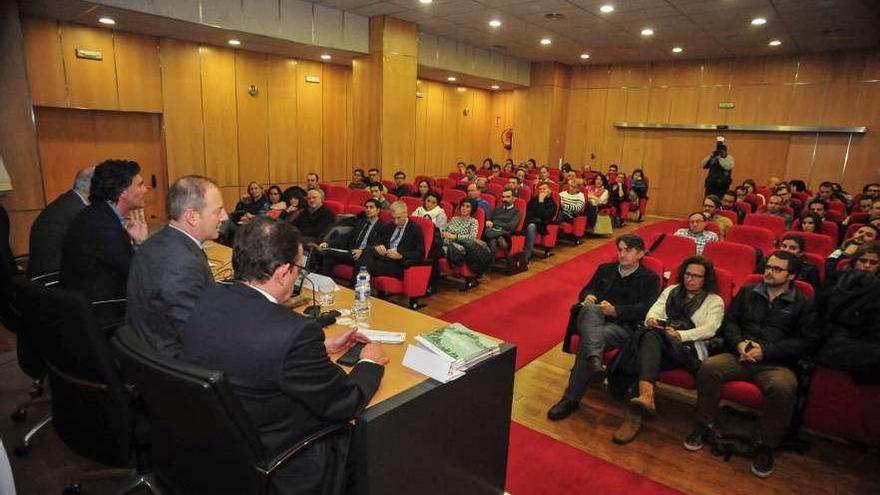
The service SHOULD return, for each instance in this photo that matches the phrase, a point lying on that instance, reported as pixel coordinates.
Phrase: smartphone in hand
(352, 355)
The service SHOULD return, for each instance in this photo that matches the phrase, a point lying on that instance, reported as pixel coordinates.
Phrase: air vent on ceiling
(554, 15)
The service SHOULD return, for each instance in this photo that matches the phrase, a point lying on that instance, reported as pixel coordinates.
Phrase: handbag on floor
(603, 225)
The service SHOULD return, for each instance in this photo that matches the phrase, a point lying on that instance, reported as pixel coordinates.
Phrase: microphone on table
(314, 309)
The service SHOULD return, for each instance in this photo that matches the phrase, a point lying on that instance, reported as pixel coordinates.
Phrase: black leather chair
(202, 441)
(92, 410)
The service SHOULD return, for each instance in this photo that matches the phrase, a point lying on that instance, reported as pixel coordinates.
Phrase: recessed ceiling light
(426, 2)
(647, 32)
(461, 89)
(585, 56)
(606, 9)
(234, 42)
(107, 20)
(759, 21)
(546, 41)
(677, 49)
(494, 23)
(774, 43)
(494, 86)
(325, 57)
(451, 78)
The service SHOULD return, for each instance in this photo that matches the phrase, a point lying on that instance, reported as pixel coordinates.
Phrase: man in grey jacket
(170, 271)
(502, 221)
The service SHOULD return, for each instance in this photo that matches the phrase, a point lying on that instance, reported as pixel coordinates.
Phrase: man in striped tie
(402, 242)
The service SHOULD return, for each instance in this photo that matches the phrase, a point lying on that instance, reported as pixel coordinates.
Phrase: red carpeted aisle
(540, 465)
(532, 314)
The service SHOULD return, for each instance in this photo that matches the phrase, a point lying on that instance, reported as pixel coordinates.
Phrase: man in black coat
(315, 220)
(98, 246)
(276, 359)
(400, 243)
(366, 233)
(502, 221)
(540, 211)
(170, 271)
(614, 301)
(47, 233)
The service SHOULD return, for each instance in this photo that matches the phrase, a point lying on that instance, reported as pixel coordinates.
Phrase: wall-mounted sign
(726, 105)
(313, 79)
(89, 54)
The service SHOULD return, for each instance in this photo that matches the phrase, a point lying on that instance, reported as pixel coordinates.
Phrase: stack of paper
(446, 353)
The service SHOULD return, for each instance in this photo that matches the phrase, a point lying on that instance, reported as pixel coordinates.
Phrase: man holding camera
(720, 167)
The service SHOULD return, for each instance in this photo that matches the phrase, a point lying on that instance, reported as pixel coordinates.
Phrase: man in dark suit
(402, 242)
(98, 246)
(502, 221)
(315, 220)
(365, 234)
(52, 223)
(278, 359)
(169, 271)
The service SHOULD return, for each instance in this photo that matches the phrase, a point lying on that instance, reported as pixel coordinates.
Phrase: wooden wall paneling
(310, 114)
(807, 104)
(748, 70)
(758, 155)
(747, 101)
(637, 100)
(678, 184)
(231, 196)
(464, 135)
(335, 99)
(597, 100)
(637, 75)
(421, 137)
(90, 83)
(20, 223)
(685, 103)
(434, 144)
(716, 72)
(253, 116)
(781, 69)
(182, 108)
(830, 158)
(558, 116)
(687, 72)
(281, 93)
(220, 115)
(872, 66)
(848, 66)
(480, 124)
(599, 76)
(861, 163)
(814, 67)
(399, 108)
(844, 103)
(449, 128)
(502, 111)
(349, 124)
(662, 74)
(575, 127)
(708, 98)
(659, 103)
(138, 73)
(365, 111)
(799, 162)
(540, 122)
(774, 104)
(615, 111)
(67, 144)
(617, 75)
(45, 62)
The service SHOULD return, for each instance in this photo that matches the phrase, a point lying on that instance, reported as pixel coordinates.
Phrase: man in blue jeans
(615, 300)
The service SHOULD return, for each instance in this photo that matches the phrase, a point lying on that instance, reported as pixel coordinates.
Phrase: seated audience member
(864, 206)
(612, 169)
(508, 167)
(619, 195)
(99, 244)
(743, 195)
(482, 185)
(295, 197)
(503, 220)
(461, 167)
(521, 175)
(872, 191)
(796, 245)
(253, 204)
(797, 186)
(678, 326)
(431, 209)
(825, 192)
(572, 201)
(487, 164)
(315, 219)
(312, 181)
(773, 183)
(865, 234)
(473, 192)
(278, 360)
(531, 164)
(852, 319)
(374, 176)
(424, 187)
(769, 327)
(774, 207)
(400, 187)
(810, 222)
(540, 211)
(696, 230)
(358, 181)
(460, 243)
(47, 233)
(711, 205)
(638, 189)
(597, 197)
(470, 175)
(543, 175)
(277, 206)
(784, 192)
(365, 234)
(169, 271)
(728, 203)
(376, 192)
(496, 171)
(839, 194)
(514, 184)
(819, 207)
(612, 303)
(400, 243)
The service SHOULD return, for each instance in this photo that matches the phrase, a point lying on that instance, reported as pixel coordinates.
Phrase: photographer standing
(720, 166)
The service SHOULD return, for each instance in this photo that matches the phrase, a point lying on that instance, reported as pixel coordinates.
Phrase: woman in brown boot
(680, 323)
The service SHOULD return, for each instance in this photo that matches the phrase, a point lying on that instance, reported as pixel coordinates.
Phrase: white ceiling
(704, 28)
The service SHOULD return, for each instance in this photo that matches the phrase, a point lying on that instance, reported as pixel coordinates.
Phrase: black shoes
(762, 464)
(562, 409)
(595, 369)
(701, 435)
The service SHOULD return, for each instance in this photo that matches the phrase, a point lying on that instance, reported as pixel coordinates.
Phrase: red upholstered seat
(852, 230)
(489, 198)
(673, 249)
(722, 276)
(335, 206)
(834, 216)
(837, 406)
(730, 215)
(837, 205)
(773, 223)
(820, 244)
(412, 204)
(390, 198)
(817, 261)
(389, 184)
(354, 209)
(754, 236)
(745, 206)
(710, 226)
(464, 270)
(420, 178)
(337, 193)
(454, 196)
(358, 196)
(416, 276)
(801, 286)
(858, 217)
(517, 239)
(548, 240)
(738, 259)
(495, 188)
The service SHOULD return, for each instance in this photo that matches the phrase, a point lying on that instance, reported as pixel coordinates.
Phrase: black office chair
(202, 441)
(92, 410)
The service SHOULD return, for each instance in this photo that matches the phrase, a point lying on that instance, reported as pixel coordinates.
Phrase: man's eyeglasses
(775, 269)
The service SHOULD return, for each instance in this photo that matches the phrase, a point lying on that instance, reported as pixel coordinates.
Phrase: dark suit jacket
(168, 275)
(314, 224)
(96, 255)
(358, 232)
(412, 242)
(47, 233)
(277, 363)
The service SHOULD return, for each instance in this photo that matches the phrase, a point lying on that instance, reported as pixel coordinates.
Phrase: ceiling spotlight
(759, 21)
(426, 2)
(494, 86)
(546, 41)
(606, 9)
(234, 42)
(451, 78)
(677, 49)
(647, 32)
(325, 57)
(585, 56)
(774, 43)
(107, 20)
(494, 23)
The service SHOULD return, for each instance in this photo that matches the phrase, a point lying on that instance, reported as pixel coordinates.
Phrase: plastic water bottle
(360, 310)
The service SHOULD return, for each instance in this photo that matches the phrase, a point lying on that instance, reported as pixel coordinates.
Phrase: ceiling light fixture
(426, 2)
(494, 86)
(494, 23)
(606, 9)
(647, 32)
(234, 42)
(451, 78)
(585, 56)
(326, 57)
(759, 21)
(677, 49)
(774, 43)
(461, 89)
(107, 20)
(546, 41)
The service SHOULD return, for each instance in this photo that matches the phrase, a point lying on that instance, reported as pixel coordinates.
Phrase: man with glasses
(400, 189)
(769, 327)
(711, 205)
(696, 230)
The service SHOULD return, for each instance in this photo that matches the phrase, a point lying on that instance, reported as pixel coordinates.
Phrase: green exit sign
(89, 54)
(727, 105)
